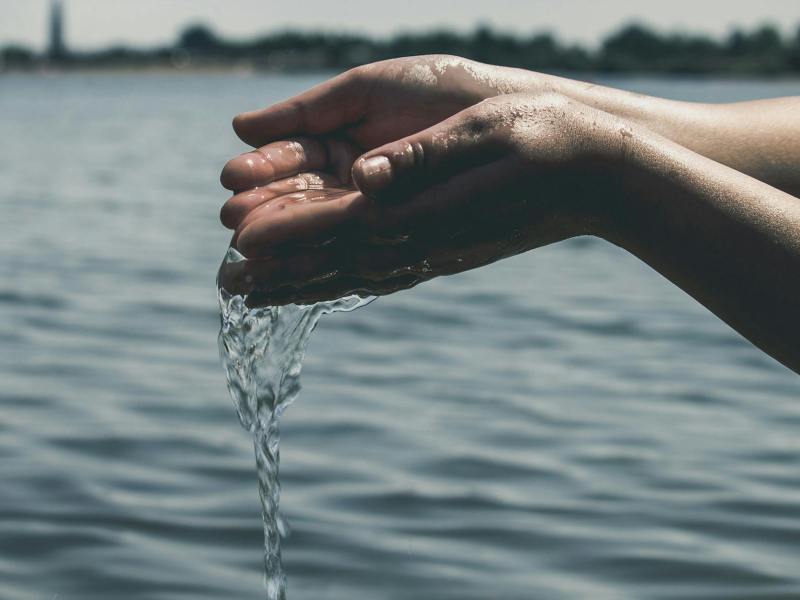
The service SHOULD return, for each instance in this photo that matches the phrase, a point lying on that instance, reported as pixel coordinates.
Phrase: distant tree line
(633, 48)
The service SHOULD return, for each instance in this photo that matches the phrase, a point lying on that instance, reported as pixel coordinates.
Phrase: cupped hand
(501, 177)
(383, 101)
(329, 126)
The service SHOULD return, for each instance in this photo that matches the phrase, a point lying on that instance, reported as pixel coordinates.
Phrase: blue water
(564, 424)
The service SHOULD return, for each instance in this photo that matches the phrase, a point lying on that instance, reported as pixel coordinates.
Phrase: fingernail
(376, 171)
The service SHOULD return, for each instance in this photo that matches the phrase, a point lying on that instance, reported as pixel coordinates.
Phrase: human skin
(381, 102)
(480, 163)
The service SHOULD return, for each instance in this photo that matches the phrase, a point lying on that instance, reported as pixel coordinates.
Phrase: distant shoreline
(634, 48)
(250, 71)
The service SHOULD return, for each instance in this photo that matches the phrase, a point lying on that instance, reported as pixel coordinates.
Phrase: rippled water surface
(565, 424)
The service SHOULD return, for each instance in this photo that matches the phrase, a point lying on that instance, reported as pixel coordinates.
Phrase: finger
(432, 155)
(281, 222)
(264, 274)
(327, 107)
(239, 205)
(283, 208)
(273, 161)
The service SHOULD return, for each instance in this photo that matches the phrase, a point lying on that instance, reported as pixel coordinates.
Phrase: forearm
(760, 138)
(727, 239)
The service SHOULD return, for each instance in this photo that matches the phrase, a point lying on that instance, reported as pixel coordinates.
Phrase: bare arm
(760, 138)
(727, 239)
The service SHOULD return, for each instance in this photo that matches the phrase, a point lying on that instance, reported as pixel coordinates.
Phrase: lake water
(564, 424)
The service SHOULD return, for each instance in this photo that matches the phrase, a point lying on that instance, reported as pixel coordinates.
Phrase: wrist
(618, 167)
(644, 167)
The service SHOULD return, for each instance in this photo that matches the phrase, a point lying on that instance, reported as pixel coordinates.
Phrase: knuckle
(417, 154)
(447, 59)
(478, 120)
(406, 153)
(355, 75)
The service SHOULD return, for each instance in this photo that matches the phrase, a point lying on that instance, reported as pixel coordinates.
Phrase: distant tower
(57, 49)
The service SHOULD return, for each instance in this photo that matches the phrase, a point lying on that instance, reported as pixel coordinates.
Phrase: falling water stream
(262, 352)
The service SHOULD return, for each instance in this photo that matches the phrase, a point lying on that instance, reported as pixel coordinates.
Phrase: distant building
(57, 49)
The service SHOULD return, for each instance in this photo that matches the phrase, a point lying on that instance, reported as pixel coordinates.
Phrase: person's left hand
(499, 178)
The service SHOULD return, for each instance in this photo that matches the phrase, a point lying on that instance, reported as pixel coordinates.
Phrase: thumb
(430, 156)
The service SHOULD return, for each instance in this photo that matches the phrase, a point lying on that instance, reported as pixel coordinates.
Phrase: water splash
(262, 351)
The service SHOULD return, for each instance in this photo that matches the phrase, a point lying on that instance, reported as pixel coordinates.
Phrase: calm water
(565, 424)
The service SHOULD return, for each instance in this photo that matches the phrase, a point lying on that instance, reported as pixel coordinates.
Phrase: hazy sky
(93, 23)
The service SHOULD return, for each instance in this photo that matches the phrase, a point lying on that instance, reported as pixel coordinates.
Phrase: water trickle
(262, 351)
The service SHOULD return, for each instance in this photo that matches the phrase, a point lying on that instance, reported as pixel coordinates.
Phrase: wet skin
(397, 172)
